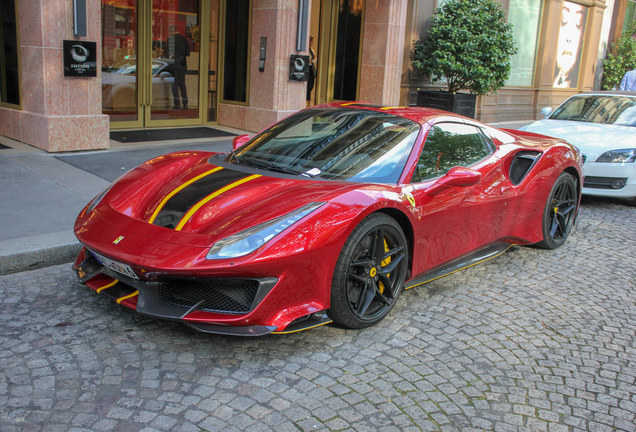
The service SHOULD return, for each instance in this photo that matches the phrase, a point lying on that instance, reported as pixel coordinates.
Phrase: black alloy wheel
(560, 212)
(370, 273)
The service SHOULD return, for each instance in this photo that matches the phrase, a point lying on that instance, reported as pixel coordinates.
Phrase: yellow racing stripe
(302, 329)
(201, 203)
(107, 286)
(121, 299)
(177, 190)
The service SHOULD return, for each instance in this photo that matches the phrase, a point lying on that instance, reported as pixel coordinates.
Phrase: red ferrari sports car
(325, 216)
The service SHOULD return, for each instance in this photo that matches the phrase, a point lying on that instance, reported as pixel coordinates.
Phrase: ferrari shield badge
(410, 198)
(118, 239)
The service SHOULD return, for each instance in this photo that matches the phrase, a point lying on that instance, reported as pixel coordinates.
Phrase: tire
(370, 273)
(559, 213)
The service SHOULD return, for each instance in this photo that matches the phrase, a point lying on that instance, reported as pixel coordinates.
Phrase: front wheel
(370, 273)
(559, 213)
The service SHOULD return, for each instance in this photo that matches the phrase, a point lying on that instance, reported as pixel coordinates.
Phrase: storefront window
(525, 16)
(9, 72)
(570, 45)
(236, 50)
(630, 14)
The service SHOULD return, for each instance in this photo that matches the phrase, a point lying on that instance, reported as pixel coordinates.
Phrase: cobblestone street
(533, 340)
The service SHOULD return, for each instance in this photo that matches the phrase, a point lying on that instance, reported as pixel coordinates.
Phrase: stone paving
(533, 340)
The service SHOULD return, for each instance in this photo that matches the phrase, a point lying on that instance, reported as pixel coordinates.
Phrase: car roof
(420, 115)
(609, 93)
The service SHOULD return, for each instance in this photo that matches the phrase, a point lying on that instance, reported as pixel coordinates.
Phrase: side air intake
(522, 164)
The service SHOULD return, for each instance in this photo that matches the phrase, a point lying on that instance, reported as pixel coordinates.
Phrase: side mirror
(456, 177)
(164, 75)
(546, 111)
(239, 141)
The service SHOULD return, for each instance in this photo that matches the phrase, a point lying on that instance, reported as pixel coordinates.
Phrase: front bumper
(610, 179)
(161, 300)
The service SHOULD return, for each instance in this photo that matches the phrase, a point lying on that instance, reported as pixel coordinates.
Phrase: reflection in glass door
(151, 62)
(174, 73)
(119, 61)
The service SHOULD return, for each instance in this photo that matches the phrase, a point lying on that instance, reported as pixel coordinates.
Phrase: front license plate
(122, 268)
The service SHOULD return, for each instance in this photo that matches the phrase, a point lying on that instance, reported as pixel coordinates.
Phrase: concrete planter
(458, 103)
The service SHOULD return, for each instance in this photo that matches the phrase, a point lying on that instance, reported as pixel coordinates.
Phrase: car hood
(219, 204)
(591, 138)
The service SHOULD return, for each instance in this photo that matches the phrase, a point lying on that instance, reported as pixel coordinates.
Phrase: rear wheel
(559, 212)
(370, 273)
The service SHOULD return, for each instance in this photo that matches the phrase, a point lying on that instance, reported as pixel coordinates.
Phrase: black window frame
(10, 30)
(489, 145)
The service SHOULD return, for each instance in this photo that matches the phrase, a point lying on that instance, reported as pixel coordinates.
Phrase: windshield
(334, 144)
(617, 110)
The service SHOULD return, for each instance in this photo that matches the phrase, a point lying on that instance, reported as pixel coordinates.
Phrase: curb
(33, 260)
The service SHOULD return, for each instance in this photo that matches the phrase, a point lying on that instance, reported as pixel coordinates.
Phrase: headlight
(103, 193)
(618, 156)
(248, 241)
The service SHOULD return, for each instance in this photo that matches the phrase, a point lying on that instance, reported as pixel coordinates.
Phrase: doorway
(159, 61)
(339, 33)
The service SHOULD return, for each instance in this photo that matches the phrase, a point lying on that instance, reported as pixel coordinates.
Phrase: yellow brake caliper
(384, 263)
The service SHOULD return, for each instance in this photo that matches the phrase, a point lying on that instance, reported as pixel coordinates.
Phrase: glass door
(120, 75)
(341, 24)
(152, 56)
(172, 73)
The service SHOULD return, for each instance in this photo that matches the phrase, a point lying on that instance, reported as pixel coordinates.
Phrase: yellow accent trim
(121, 299)
(106, 286)
(388, 108)
(200, 204)
(302, 329)
(463, 268)
(179, 189)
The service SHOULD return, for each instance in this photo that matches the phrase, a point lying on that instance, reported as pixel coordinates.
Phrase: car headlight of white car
(618, 156)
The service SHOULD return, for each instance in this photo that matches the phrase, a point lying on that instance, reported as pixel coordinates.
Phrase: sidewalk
(42, 193)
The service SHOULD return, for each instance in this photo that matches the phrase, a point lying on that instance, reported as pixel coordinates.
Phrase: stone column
(272, 96)
(58, 113)
(382, 51)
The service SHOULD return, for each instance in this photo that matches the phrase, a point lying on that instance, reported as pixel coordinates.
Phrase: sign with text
(299, 68)
(80, 58)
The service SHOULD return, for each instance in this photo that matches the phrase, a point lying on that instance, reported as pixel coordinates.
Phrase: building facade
(561, 44)
(179, 63)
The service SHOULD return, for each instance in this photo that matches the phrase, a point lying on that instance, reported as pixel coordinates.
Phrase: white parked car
(603, 126)
(119, 85)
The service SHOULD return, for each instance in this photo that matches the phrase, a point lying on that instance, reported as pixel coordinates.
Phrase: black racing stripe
(177, 206)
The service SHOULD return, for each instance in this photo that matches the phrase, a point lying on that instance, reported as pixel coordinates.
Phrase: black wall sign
(80, 58)
(299, 68)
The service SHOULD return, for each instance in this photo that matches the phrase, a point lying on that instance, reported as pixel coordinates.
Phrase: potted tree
(621, 58)
(468, 47)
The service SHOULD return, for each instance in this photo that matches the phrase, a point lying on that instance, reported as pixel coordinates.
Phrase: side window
(449, 145)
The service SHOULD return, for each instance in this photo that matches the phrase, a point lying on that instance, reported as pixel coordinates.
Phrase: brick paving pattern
(533, 340)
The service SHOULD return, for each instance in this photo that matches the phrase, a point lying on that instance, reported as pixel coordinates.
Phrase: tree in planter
(620, 59)
(469, 46)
